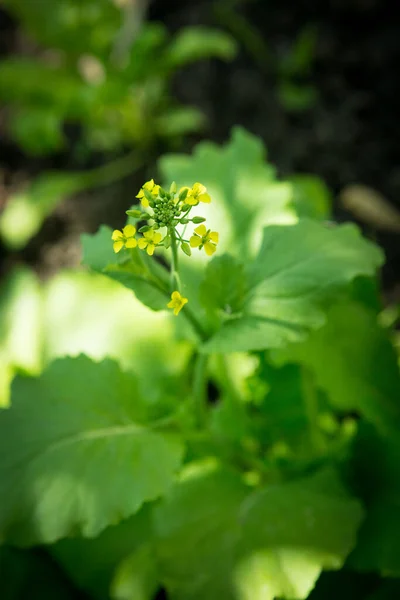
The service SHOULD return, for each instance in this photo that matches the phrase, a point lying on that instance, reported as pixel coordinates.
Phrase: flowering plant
(230, 428)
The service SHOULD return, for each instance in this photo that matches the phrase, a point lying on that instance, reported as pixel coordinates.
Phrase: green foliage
(87, 419)
(245, 448)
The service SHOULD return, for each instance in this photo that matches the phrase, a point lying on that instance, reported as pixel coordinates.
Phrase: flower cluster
(167, 210)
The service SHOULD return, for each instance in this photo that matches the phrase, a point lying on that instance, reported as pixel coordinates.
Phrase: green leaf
(311, 197)
(134, 269)
(374, 469)
(363, 373)
(245, 193)
(87, 422)
(298, 267)
(136, 577)
(224, 285)
(217, 540)
(25, 211)
(179, 121)
(195, 43)
(20, 328)
(91, 562)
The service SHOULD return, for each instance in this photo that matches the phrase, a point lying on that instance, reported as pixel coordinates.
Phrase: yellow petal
(201, 230)
(191, 200)
(145, 203)
(195, 241)
(142, 243)
(117, 246)
(129, 231)
(140, 194)
(155, 190)
(206, 198)
(117, 235)
(176, 295)
(199, 188)
(171, 304)
(157, 237)
(131, 243)
(149, 185)
(214, 236)
(150, 249)
(209, 248)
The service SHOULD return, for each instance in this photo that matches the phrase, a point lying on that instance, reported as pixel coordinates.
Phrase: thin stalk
(175, 281)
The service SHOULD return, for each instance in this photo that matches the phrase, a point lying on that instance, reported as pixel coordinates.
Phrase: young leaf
(81, 456)
(298, 266)
(224, 285)
(215, 540)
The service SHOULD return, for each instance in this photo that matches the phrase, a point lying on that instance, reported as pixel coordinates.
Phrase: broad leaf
(244, 190)
(218, 541)
(64, 433)
(298, 267)
(363, 374)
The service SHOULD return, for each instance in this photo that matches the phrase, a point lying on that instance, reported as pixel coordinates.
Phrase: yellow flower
(151, 187)
(204, 238)
(124, 238)
(177, 302)
(196, 194)
(150, 240)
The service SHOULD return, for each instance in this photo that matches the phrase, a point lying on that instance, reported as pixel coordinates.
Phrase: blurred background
(94, 92)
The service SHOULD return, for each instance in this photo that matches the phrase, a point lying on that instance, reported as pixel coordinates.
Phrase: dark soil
(349, 135)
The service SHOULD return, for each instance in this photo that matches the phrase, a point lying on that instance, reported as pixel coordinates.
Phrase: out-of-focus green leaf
(75, 26)
(245, 193)
(37, 130)
(136, 578)
(363, 373)
(215, 540)
(196, 43)
(295, 97)
(79, 421)
(91, 563)
(25, 211)
(298, 267)
(20, 328)
(180, 121)
(311, 197)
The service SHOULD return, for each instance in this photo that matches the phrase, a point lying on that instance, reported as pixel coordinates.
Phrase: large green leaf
(298, 267)
(363, 373)
(64, 433)
(245, 193)
(218, 541)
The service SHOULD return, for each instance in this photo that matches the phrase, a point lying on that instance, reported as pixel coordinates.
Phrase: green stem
(200, 389)
(175, 281)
